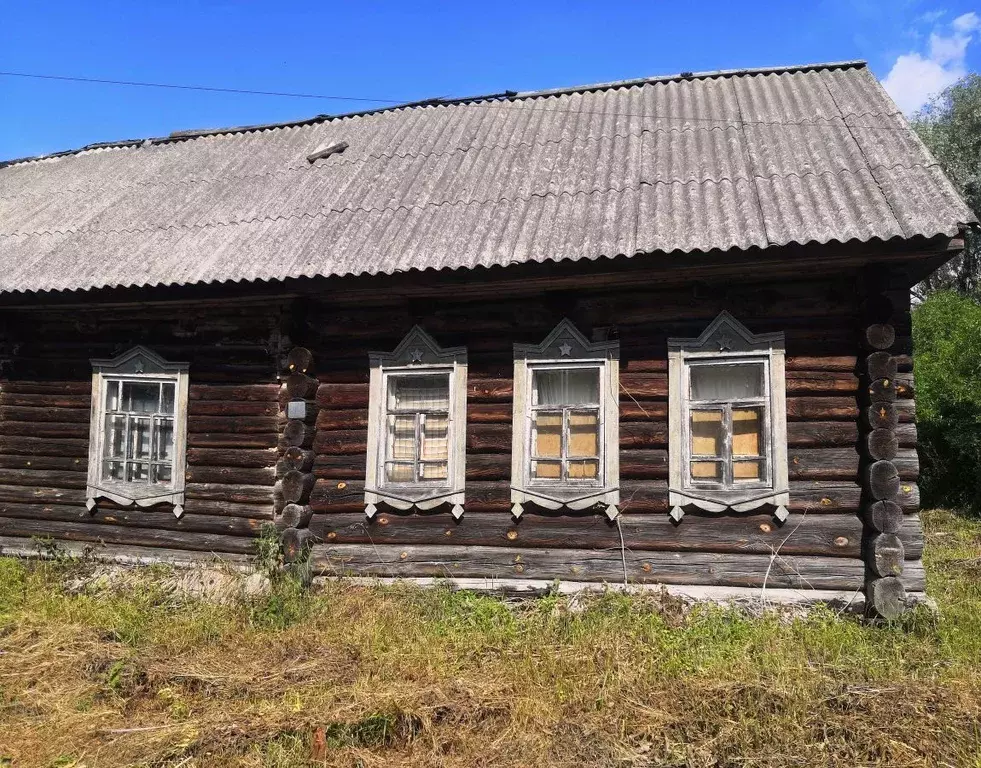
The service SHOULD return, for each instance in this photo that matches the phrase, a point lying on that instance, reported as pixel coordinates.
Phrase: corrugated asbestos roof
(725, 160)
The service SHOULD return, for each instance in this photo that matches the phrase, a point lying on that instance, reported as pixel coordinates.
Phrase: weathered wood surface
(884, 517)
(886, 554)
(801, 534)
(292, 516)
(887, 597)
(749, 570)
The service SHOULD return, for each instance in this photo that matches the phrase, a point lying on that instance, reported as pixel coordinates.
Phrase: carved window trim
(137, 364)
(727, 341)
(417, 354)
(564, 348)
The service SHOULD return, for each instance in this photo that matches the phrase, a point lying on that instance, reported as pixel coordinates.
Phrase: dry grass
(408, 677)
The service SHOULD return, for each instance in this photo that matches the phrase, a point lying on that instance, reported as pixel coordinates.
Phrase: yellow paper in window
(706, 433)
(583, 469)
(548, 435)
(548, 470)
(583, 434)
(706, 470)
(746, 432)
(746, 470)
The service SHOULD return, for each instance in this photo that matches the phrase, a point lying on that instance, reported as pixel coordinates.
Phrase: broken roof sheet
(665, 166)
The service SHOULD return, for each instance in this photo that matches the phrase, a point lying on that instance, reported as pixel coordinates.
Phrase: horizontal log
(294, 487)
(292, 516)
(747, 570)
(823, 464)
(75, 463)
(157, 518)
(44, 429)
(821, 363)
(48, 400)
(266, 393)
(880, 416)
(884, 517)
(232, 457)
(881, 444)
(231, 475)
(35, 415)
(905, 386)
(240, 493)
(824, 408)
(295, 459)
(232, 440)
(233, 424)
(45, 446)
(342, 396)
(114, 534)
(882, 480)
(232, 408)
(357, 418)
(636, 496)
(55, 478)
(820, 382)
(83, 387)
(881, 391)
(832, 535)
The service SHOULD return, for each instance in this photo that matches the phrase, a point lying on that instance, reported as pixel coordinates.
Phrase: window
(565, 423)
(727, 420)
(417, 426)
(137, 435)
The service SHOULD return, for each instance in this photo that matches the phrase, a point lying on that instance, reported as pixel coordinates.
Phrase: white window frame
(727, 342)
(138, 364)
(565, 348)
(417, 354)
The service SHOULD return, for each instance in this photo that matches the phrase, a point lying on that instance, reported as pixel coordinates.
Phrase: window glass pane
(112, 395)
(420, 393)
(113, 470)
(574, 386)
(546, 470)
(434, 471)
(584, 433)
(706, 433)
(403, 436)
(706, 470)
(746, 435)
(161, 473)
(139, 438)
(115, 438)
(548, 434)
(583, 469)
(138, 473)
(400, 472)
(164, 448)
(726, 382)
(167, 398)
(435, 444)
(141, 397)
(746, 471)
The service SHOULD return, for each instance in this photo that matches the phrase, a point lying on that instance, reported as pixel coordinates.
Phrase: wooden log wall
(823, 534)
(233, 421)
(250, 464)
(892, 565)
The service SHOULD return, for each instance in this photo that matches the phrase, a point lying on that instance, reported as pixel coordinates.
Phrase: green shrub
(947, 346)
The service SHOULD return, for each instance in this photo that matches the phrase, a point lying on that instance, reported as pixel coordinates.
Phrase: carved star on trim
(416, 355)
(725, 343)
(565, 349)
(139, 365)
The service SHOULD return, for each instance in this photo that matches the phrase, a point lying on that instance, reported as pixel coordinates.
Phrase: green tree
(947, 344)
(950, 126)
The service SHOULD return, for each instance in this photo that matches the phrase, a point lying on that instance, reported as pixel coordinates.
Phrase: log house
(653, 332)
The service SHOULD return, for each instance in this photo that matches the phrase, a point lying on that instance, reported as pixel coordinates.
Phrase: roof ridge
(186, 135)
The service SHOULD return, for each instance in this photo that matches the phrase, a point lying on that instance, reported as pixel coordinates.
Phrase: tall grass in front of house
(377, 676)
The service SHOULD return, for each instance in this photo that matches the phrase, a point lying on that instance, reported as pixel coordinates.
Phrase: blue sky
(411, 50)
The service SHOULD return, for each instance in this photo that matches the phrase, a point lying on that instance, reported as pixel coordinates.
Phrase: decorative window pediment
(727, 420)
(417, 426)
(565, 438)
(138, 432)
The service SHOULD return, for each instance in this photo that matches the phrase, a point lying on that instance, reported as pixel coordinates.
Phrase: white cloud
(915, 77)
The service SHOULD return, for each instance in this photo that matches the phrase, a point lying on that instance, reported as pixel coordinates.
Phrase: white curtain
(726, 382)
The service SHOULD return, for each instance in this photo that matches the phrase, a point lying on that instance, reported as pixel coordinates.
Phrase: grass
(356, 676)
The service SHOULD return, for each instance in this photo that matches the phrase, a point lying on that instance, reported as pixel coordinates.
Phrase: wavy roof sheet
(726, 160)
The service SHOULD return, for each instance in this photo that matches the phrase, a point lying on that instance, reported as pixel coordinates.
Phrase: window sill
(717, 501)
(574, 497)
(422, 497)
